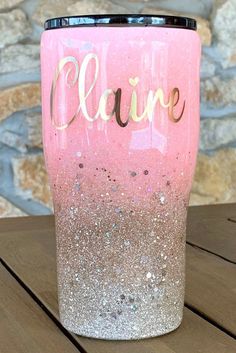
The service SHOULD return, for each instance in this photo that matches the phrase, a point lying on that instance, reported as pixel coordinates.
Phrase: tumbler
(120, 105)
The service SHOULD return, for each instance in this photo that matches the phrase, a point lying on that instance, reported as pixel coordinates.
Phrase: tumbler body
(120, 132)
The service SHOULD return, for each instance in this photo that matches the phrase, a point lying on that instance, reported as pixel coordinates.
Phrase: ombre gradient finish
(120, 193)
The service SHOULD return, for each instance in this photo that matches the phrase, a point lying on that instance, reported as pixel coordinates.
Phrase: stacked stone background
(23, 181)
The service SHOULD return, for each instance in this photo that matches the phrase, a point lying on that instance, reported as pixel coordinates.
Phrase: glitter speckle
(113, 315)
(77, 186)
(162, 199)
(144, 259)
(103, 315)
(127, 243)
(163, 273)
(133, 174)
(118, 210)
(120, 261)
(134, 307)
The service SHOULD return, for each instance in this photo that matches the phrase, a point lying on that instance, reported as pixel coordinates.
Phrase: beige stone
(203, 25)
(8, 4)
(219, 92)
(204, 30)
(18, 57)
(216, 133)
(34, 124)
(7, 209)
(30, 179)
(55, 8)
(19, 98)
(224, 29)
(196, 200)
(14, 27)
(215, 177)
(84, 7)
(48, 9)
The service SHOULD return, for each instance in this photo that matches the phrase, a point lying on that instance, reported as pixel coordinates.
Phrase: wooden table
(29, 320)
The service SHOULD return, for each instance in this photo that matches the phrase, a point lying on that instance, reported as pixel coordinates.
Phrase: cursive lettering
(77, 76)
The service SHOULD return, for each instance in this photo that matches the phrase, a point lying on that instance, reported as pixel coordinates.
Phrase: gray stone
(14, 27)
(208, 66)
(19, 57)
(56, 8)
(224, 30)
(216, 133)
(34, 127)
(219, 92)
(13, 140)
(8, 4)
(200, 8)
(7, 209)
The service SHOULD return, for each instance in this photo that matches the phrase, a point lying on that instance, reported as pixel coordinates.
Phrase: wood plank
(209, 227)
(24, 327)
(32, 257)
(211, 287)
(12, 224)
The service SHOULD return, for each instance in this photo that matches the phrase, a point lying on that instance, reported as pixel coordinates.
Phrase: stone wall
(23, 181)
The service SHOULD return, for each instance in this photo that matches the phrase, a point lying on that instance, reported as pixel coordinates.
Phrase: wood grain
(211, 287)
(26, 223)
(24, 327)
(209, 227)
(31, 254)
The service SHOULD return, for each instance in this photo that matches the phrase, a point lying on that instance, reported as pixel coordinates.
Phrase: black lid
(121, 20)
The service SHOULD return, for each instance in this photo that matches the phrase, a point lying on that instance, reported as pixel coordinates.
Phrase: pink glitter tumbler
(120, 99)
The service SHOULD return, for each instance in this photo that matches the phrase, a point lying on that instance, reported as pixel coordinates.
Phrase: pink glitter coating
(120, 194)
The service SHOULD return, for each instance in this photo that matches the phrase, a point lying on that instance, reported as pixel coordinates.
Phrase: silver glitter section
(120, 260)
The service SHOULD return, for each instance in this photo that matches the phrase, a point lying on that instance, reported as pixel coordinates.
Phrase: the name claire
(79, 78)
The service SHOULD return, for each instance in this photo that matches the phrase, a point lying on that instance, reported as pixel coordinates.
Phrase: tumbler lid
(121, 21)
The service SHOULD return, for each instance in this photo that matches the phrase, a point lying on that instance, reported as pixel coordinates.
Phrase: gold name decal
(77, 75)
